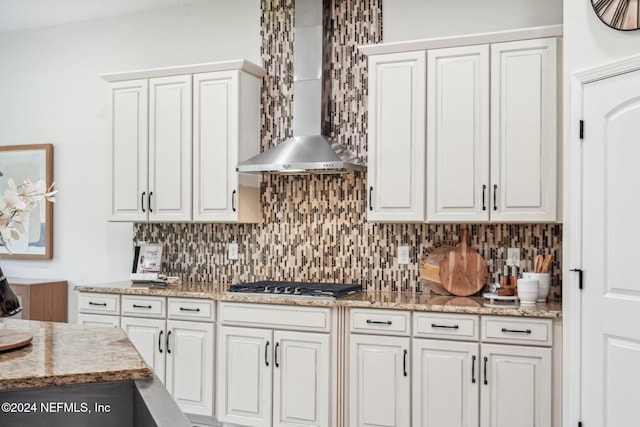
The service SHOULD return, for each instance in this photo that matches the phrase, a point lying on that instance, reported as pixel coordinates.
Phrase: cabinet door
(523, 131)
(149, 338)
(190, 350)
(301, 379)
(215, 149)
(98, 320)
(170, 148)
(445, 383)
(458, 134)
(379, 381)
(516, 387)
(245, 362)
(396, 171)
(128, 127)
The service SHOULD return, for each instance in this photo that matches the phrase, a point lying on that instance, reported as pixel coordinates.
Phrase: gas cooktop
(303, 289)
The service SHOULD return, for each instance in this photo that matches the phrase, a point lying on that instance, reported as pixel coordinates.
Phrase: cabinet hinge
(581, 129)
(579, 271)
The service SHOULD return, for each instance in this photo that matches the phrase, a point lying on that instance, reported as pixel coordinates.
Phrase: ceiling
(16, 15)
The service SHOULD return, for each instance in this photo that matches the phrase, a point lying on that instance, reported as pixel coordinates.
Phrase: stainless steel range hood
(308, 151)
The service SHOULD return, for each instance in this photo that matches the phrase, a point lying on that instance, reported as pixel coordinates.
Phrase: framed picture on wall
(33, 162)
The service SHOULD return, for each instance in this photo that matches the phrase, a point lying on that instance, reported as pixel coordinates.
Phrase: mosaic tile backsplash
(315, 227)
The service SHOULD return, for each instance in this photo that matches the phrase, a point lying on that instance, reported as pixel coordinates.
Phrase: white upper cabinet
(170, 149)
(520, 136)
(128, 130)
(484, 109)
(396, 170)
(176, 137)
(226, 131)
(523, 130)
(458, 134)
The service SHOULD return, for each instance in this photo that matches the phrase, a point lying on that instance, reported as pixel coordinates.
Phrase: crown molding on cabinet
(465, 40)
(237, 64)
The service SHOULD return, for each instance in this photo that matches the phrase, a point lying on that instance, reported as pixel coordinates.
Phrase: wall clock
(623, 15)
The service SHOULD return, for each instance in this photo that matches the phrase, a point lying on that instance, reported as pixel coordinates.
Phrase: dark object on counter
(279, 288)
(9, 303)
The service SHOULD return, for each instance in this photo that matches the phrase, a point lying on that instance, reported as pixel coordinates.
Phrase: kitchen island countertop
(63, 353)
(366, 299)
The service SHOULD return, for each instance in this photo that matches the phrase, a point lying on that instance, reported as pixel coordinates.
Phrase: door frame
(572, 258)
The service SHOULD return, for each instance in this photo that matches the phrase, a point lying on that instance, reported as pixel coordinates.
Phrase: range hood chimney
(308, 151)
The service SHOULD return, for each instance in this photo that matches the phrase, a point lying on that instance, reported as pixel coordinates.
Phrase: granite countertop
(63, 353)
(366, 299)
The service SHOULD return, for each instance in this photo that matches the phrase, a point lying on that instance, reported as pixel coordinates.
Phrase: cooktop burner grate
(283, 288)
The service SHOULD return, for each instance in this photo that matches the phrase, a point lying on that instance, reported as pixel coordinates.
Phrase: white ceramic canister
(527, 291)
(544, 281)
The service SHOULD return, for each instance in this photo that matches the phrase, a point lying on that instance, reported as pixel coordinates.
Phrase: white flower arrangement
(15, 205)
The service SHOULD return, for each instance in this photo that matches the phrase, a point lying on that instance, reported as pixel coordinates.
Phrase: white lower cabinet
(273, 377)
(149, 338)
(174, 336)
(450, 370)
(445, 383)
(189, 367)
(98, 320)
(516, 389)
(379, 381)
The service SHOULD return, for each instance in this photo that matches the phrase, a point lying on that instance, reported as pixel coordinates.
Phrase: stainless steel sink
(140, 403)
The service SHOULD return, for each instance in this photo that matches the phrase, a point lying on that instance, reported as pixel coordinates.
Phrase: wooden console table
(41, 299)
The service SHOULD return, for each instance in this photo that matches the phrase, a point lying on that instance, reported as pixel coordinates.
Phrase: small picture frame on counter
(147, 262)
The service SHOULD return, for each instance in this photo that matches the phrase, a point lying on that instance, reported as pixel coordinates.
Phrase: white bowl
(544, 279)
(528, 291)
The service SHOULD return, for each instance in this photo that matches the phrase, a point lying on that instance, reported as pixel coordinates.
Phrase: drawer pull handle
(516, 331)
(484, 193)
(434, 325)
(160, 342)
(266, 353)
(379, 322)
(101, 304)
(485, 371)
(473, 369)
(141, 306)
(370, 205)
(168, 335)
(189, 309)
(404, 363)
(142, 201)
(275, 358)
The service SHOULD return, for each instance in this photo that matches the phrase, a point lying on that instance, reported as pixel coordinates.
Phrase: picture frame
(34, 162)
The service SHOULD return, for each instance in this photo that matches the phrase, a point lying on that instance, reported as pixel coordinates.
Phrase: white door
(379, 381)
(245, 362)
(523, 131)
(301, 377)
(397, 115)
(516, 386)
(458, 134)
(149, 338)
(128, 135)
(189, 374)
(170, 148)
(445, 382)
(215, 146)
(610, 211)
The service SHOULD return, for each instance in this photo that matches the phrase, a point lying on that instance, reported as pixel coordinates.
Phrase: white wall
(420, 19)
(50, 92)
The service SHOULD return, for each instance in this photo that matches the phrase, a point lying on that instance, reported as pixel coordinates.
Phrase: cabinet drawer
(99, 303)
(515, 330)
(143, 306)
(444, 325)
(191, 309)
(385, 322)
(276, 316)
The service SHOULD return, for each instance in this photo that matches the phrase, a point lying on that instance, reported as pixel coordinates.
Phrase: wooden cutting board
(10, 339)
(463, 272)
